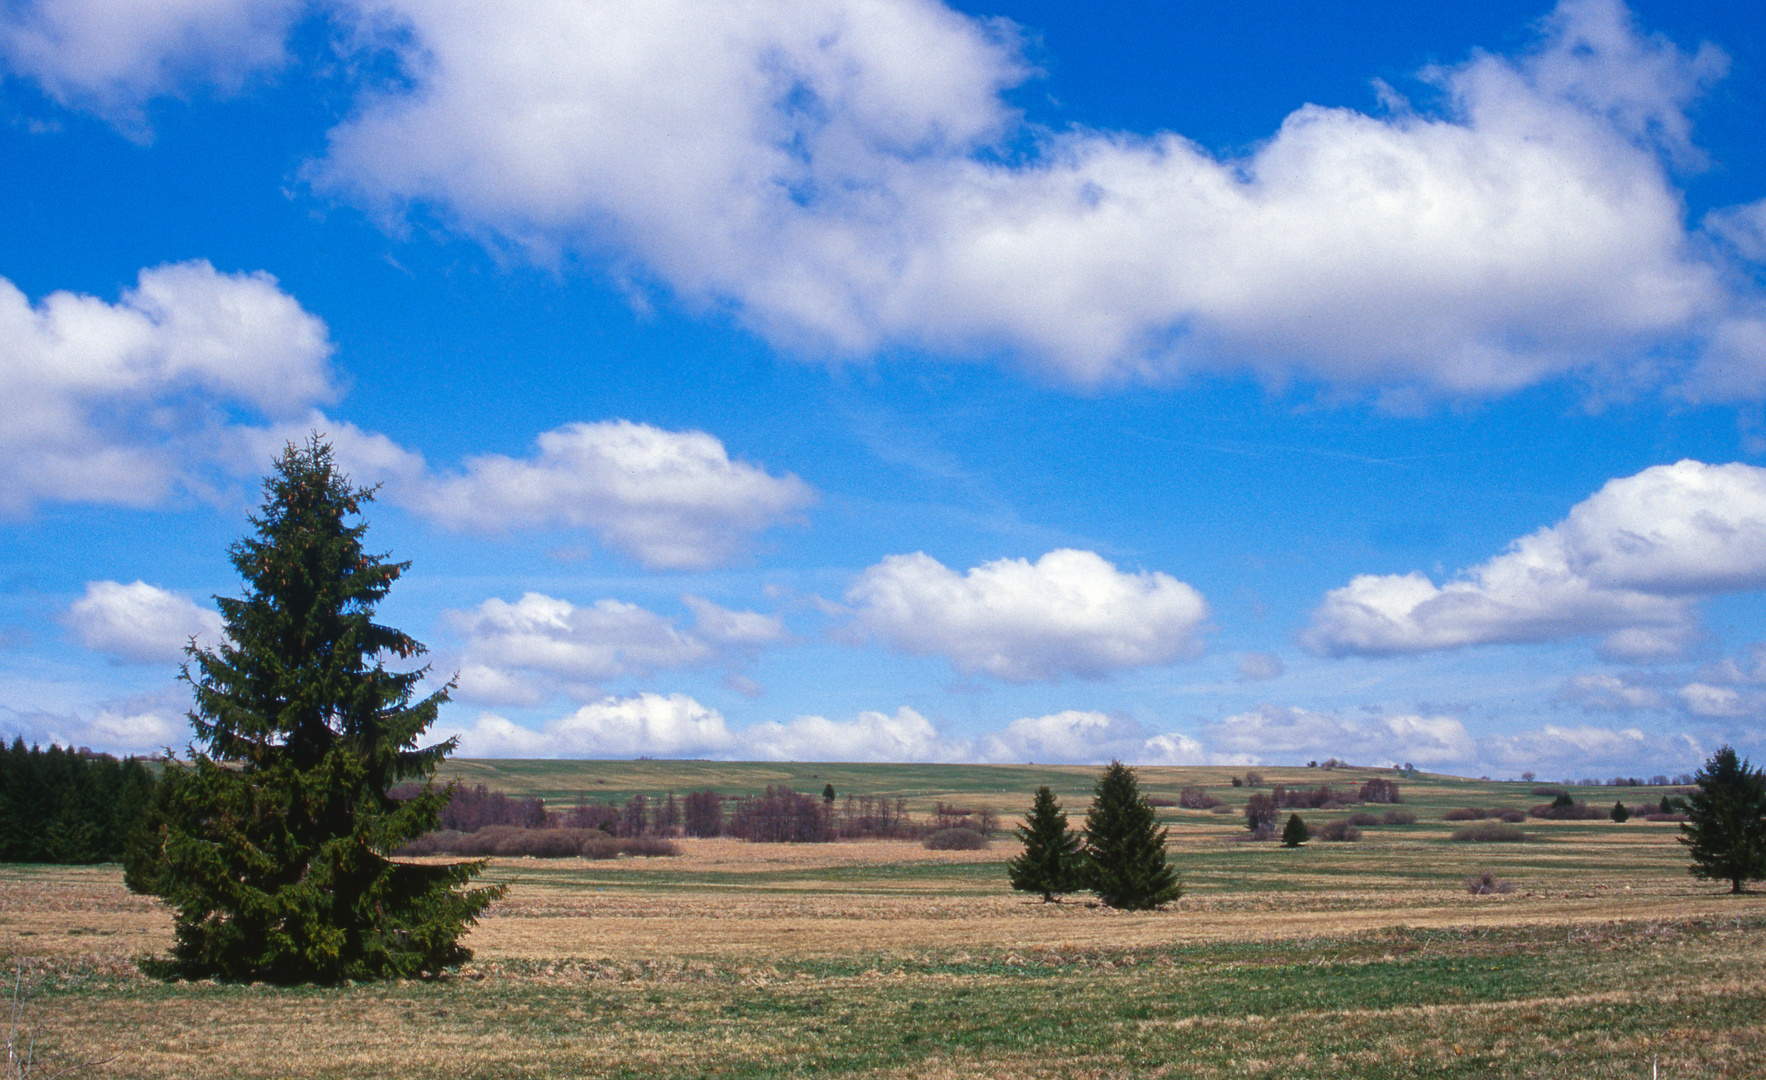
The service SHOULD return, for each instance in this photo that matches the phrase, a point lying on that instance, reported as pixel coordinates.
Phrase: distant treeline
(69, 806)
(478, 820)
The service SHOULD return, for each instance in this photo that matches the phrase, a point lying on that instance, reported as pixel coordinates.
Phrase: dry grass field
(883, 959)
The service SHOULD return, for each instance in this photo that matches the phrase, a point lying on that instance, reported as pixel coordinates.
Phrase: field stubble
(883, 959)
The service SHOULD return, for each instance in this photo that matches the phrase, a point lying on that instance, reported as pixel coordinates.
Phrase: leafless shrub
(1195, 798)
(947, 816)
(1338, 832)
(1161, 800)
(703, 814)
(1486, 883)
(1253, 779)
(1547, 791)
(1400, 817)
(958, 839)
(1490, 832)
(1665, 817)
(1362, 817)
(1510, 815)
(1470, 813)
(1380, 791)
(781, 815)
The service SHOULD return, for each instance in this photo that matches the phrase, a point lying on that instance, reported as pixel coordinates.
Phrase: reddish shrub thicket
(1362, 817)
(1665, 817)
(782, 816)
(1380, 791)
(1473, 813)
(1160, 800)
(513, 841)
(703, 814)
(1575, 811)
(1400, 817)
(1547, 791)
(1338, 832)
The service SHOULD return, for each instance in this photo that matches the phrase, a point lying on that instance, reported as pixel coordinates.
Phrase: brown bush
(1340, 832)
(1400, 817)
(958, 839)
(1195, 798)
(1470, 813)
(1362, 817)
(1486, 883)
(1161, 800)
(1510, 815)
(1380, 791)
(1547, 791)
(1490, 832)
(1665, 817)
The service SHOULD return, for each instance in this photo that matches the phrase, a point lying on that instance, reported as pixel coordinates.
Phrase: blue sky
(884, 380)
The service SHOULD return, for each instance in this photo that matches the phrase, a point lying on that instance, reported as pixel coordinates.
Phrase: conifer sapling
(1051, 862)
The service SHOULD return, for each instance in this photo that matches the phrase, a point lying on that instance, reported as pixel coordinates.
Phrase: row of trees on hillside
(69, 806)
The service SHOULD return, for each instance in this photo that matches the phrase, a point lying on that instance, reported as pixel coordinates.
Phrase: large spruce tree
(271, 844)
(1725, 830)
(1050, 862)
(1125, 847)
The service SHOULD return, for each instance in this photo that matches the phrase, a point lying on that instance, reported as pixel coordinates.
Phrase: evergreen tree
(1051, 861)
(271, 845)
(1620, 813)
(1124, 846)
(1725, 830)
(1295, 833)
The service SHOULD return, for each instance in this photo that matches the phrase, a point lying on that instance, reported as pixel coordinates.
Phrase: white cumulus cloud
(124, 403)
(871, 736)
(1069, 613)
(1276, 734)
(510, 644)
(1630, 561)
(674, 725)
(670, 499)
(112, 57)
(827, 170)
(140, 623)
(822, 168)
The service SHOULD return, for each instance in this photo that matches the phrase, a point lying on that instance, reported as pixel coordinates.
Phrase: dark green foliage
(828, 794)
(1725, 830)
(1125, 847)
(1619, 813)
(66, 806)
(1295, 833)
(1051, 861)
(271, 844)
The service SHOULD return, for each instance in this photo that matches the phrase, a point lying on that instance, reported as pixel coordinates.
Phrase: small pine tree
(271, 845)
(1051, 862)
(1619, 812)
(1725, 830)
(1295, 833)
(1125, 847)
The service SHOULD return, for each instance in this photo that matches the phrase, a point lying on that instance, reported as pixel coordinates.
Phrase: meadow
(881, 958)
